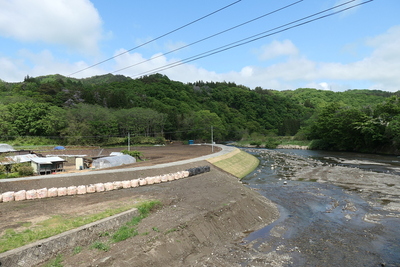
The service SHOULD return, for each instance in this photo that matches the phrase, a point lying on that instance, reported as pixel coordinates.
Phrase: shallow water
(322, 224)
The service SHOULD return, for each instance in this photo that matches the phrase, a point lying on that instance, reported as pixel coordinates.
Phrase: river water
(337, 209)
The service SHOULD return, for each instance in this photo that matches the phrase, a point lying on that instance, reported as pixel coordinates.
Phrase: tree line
(98, 109)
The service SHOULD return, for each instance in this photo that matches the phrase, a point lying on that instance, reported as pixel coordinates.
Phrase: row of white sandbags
(86, 189)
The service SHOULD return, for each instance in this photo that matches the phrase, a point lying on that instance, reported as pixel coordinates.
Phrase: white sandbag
(41, 193)
(186, 174)
(81, 190)
(71, 190)
(20, 195)
(8, 196)
(117, 185)
(31, 194)
(164, 178)
(135, 183)
(150, 180)
(157, 179)
(99, 187)
(61, 191)
(170, 177)
(109, 186)
(142, 181)
(126, 184)
(90, 188)
(52, 192)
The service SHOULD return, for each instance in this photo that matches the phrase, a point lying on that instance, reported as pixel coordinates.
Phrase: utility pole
(212, 139)
(129, 141)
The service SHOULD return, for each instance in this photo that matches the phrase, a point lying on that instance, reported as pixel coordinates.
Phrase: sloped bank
(203, 225)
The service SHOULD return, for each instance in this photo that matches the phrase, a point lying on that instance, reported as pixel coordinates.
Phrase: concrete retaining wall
(46, 249)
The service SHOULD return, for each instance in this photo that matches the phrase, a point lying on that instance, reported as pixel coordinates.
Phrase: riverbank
(330, 215)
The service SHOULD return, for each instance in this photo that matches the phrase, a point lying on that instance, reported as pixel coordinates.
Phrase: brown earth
(201, 223)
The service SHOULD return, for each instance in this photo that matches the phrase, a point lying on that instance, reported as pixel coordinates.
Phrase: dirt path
(203, 218)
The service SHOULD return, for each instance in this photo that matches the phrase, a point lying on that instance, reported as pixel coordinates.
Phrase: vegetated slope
(115, 105)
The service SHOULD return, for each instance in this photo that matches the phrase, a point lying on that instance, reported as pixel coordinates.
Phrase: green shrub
(255, 143)
(25, 170)
(22, 169)
(148, 140)
(136, 154)
(319, 144)
(2, 169)
(272, 143)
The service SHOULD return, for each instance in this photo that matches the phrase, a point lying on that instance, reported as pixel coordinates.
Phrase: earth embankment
(202, 221)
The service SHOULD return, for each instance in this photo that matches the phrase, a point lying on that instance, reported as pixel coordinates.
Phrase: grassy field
(59, 224)
(237, 163)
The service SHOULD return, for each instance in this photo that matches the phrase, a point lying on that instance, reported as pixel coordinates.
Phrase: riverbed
(337, 209)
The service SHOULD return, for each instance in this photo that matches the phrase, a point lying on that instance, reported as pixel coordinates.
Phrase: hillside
(92, 110)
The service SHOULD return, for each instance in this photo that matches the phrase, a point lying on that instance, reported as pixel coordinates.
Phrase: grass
(77, 250)
(59, 224)
(100, 246)
(129, 229)
(124, 232)
(237, 163)
(170, 231)
(57, 262)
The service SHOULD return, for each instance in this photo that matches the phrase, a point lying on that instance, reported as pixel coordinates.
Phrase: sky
(200, 40)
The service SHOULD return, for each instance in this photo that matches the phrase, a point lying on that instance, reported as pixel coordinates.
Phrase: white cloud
(277, 49)
(73, 23)
(324, 86)
(379, 70)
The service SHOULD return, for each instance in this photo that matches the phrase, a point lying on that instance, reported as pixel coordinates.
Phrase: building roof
(48, 160)
(21, 158)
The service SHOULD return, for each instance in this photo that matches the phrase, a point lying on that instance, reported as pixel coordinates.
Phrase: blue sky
(356, 49)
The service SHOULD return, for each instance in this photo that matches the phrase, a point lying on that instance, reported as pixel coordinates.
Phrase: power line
(255, 38)
(163, 35)
(211, 36)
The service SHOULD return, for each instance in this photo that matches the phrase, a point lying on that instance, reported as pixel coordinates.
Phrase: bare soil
(202, 221)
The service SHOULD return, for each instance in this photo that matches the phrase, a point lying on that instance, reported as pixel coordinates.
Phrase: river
(337, 209)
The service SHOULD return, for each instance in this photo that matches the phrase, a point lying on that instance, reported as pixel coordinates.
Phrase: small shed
(107, 162)
(47, 165)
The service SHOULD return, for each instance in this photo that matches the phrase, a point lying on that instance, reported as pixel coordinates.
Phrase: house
(47, 165)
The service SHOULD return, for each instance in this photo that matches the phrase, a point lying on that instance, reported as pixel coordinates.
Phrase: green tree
(339, 128)
(199, 123)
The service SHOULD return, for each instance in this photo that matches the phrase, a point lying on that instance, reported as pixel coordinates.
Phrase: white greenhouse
(112, 161)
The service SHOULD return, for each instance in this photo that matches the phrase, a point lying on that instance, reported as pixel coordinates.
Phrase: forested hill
(113, 105)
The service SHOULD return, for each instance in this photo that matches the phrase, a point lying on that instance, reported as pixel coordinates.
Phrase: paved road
(224, 150)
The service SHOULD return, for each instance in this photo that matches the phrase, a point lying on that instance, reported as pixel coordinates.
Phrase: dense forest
(106, 109)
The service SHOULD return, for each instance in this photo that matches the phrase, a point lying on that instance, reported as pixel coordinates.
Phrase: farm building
(47, 165)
